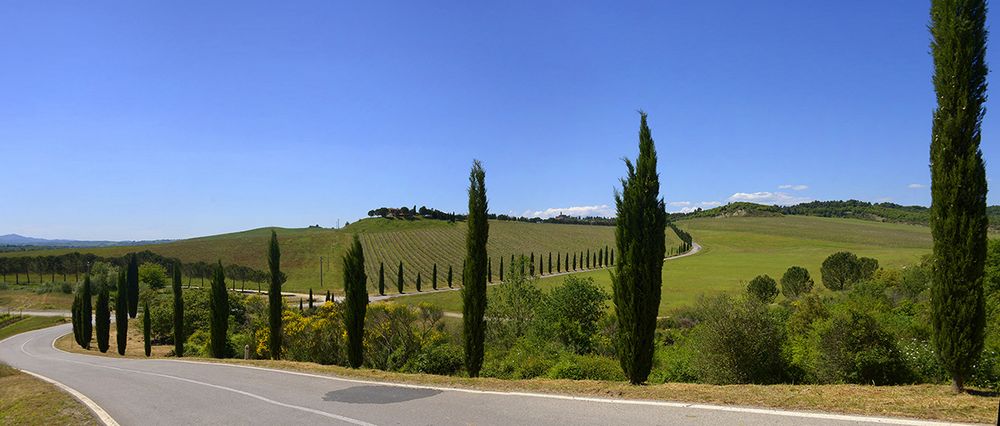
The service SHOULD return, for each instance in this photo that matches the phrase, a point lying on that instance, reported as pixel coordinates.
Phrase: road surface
(172, 392)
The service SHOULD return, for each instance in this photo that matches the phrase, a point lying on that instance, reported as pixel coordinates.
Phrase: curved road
(148, 392)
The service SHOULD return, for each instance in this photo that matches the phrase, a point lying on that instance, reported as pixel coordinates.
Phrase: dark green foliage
(449, 276)
(566, 262)
(356, 299)
(275, 305)
(76, 317)
(178, 321)
(541, 267)
(399, 278)
(550, 263)
(588, 259)
(474, 271)
(501, 268)
(300, 306)
(612, 256)
(381, 279)
(147, 344)
(310, 298)
(531, 265)
(574, 261)
(840, 270)
(763, 288)
(86, 312)
(853, 348)
(640, 233)
(607, 260)
(133, 285)
(867, 267)
(796, 282)
(121, 312)
(219, 318)
(558, 262)
(434, 277)
(418, 282)
(958, 184)
(738, 341)
(102, 320)
(573, 311)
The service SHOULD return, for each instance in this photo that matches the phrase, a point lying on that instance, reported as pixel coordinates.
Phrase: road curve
(150, 392)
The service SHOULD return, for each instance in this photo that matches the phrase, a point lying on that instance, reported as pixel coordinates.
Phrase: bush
(445, 359)
(394, 333)
(513, 306)
(315, 338)
(66, 288)
(586, 367)
(573, 310)
(796, 282)
(739, 341)
(526, 359)
(153, 275)
(763, 288)
(851, 347)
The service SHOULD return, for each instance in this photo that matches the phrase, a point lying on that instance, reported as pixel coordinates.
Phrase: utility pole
(321, 271)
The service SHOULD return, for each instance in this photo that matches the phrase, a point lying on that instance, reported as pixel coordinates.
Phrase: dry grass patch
(25, 400)
(133, 347)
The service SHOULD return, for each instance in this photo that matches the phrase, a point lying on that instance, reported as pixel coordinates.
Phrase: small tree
(418, 282)
(867, 267)
(588, 258)
(501, 268)
(796, 282)
(86, 312)
(574, 310)
(434, 277)
(147, 345)
(840, 270)
(531, 266)
(219, 318)
(574, 261)
(356, 299)
(132, 277)
(310, 298)
(178, 312)
(558, 262)
(764, 288)
(154, 275)
(399, 278)
(103, 319)
(550, 263)
(121, 312)
(449, 276)
(381, 279)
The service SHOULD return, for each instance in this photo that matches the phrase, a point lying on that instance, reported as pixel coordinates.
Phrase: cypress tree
(449, 276)
(399, 278)
(133, 285)
(531, 266)
(418, 282)
(541, 266)
(381, 279)
(103, 319)
(588, 258)
(522, 262)
(612, 256)
(86, 313)
(558, 262)
(300, 306)
(566, 262)
(219, 317)
(550, 263)
(356, 300)
(327, 296)
(178, 312)
(489, 270)
(607, 261)
(76, 318)
(275, 305)
(121, 312)
(145, 329)
(474, 271)
(310, 298)
(574, 261)
(434, 277)
(501, 268)
(640, 236)
(958, 184)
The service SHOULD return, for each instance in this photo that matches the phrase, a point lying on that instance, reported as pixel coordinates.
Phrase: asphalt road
(150, 392)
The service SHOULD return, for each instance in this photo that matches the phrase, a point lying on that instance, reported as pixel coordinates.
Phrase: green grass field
(419, 244)
(739, 248)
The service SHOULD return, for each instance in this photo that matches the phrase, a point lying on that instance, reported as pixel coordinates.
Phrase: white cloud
(916, 186)
(794, 187)
(679, 203)
(775, 198)
(602, 210)
(688, 207)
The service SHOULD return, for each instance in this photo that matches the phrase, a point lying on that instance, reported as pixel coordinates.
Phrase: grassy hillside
(738, 248)
(418, 243)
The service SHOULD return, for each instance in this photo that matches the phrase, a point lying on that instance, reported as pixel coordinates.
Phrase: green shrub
(526, 359)
(739, 341)
(796, 282)
(673, 358)
(763, 288)
(445, 359)
(851, 347)
(573, 310)
(586, 367)
(513, 307)
(395, 333)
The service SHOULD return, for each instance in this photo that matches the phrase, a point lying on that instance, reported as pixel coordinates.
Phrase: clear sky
(140, 120)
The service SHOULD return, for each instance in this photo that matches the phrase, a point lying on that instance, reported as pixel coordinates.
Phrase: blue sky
(138, 120)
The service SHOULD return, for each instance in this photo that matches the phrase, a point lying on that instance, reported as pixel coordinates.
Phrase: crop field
(738, 248)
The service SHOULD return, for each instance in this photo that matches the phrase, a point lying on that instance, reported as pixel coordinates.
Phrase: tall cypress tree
(449, 276)
(381, 279)
(356, 299)
(588, 258)
(612, 256)
(566, 262)
(310, 298)
(418, 281)
(550, 263)
(958, 184)
(640, 233)
(501, 268)
(102, 322)
(607, 261)
(558, 262)
(434, 277)
(133, 285)
(178, 312)
(574, 261)
(147, 345)
(531, 266)
(275, 305)
(77, 318)
(399, 278)
(474, 271)
(121, 312)
(219, 316)
(541, 266)
(86, 313)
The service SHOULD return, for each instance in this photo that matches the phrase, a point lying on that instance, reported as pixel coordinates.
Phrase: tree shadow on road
(378, 394)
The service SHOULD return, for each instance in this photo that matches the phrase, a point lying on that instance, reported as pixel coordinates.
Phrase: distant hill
(850, 209)
(15, 240)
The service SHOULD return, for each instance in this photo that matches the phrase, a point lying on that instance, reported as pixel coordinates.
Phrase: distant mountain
(15, 240)
(853, 209)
